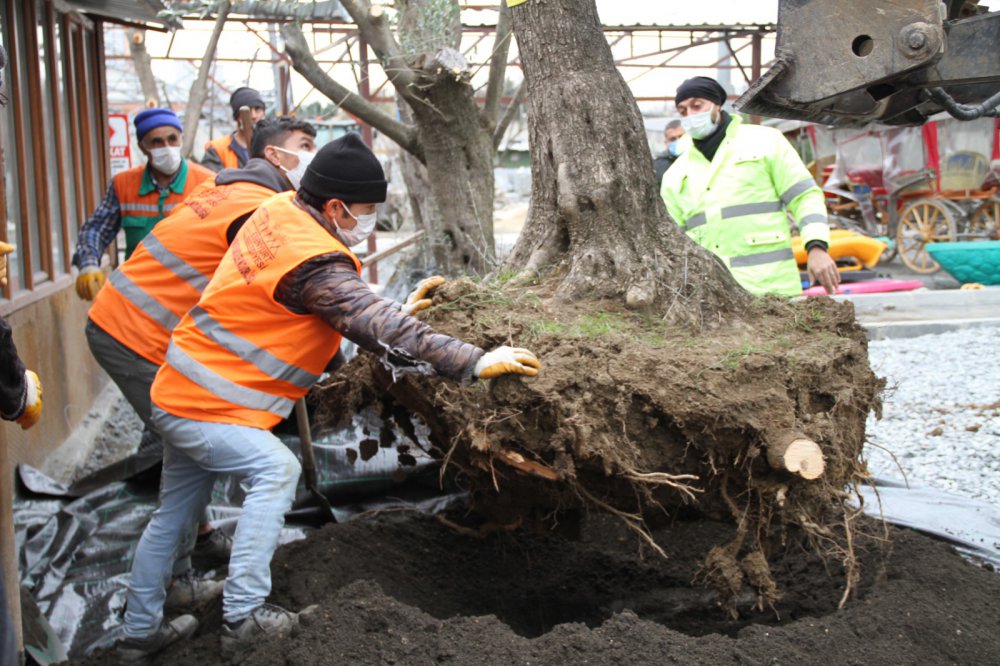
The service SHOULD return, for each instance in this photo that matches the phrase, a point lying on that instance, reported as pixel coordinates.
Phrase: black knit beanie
(348, 170)
(703, 88)
(245, 97)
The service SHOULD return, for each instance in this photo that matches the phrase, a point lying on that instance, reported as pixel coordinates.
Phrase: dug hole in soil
(636, 441)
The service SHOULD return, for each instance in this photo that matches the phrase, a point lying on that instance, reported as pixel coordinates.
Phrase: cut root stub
(798, 455)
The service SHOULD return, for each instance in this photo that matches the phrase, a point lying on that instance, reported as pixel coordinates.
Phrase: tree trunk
(595, 210)
(458, 150)
(143, 65)
(446, 131)
(199, 89)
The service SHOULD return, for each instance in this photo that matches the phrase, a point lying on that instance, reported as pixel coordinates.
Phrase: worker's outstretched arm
(804, 199)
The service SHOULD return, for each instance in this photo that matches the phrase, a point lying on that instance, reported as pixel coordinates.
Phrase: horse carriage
(913, 185)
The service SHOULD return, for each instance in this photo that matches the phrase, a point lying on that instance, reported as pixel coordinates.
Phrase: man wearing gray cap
(733, 189)
(229, 151)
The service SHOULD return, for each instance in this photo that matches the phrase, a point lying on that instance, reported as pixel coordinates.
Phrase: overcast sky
(674, 11)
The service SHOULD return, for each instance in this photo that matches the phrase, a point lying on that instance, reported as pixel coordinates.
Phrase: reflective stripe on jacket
(145, 298)
(239, 356)
(142, 205)
(228, 156)
(737, 205)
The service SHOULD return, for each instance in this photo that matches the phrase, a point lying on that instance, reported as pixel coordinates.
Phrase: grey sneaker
(139, 650)
(187, 592)
(213, 549)
(265, 620)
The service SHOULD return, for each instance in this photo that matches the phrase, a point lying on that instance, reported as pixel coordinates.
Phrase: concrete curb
(914, 329)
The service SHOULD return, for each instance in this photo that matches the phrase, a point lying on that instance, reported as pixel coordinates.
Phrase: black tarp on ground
(75, 553)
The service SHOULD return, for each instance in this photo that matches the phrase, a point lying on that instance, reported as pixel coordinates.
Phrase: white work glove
(89, 282)
(417, 300)
(32, 402)
(505, 361)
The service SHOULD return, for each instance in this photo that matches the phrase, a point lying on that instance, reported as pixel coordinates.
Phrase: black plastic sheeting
(76, 551)
(972, 526)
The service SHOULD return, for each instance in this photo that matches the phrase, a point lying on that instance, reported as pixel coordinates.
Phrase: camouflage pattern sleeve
(329, 287)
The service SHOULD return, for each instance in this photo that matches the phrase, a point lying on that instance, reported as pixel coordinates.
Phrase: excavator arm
(851, 62)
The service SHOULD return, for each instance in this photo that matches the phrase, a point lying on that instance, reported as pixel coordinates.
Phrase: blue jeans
(194, 453)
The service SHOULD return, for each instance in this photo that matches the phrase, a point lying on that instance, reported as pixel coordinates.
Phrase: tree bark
(199, 89)
(143, 65)
(595, 210)
(447, 132)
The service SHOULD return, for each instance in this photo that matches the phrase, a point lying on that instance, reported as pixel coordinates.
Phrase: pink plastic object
(869, 287)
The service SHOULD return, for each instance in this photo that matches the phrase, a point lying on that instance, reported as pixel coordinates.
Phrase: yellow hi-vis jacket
(735, 206)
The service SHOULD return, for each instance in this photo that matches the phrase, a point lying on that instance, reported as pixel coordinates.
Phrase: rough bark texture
(199, 89)
(595, 212)
(143, 65)
(444, 128)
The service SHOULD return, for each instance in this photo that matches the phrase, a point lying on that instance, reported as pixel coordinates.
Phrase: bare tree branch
(508, 116)
(199, 89)
(498, 66)
(143, 65)
(304, 63)
(373, 25)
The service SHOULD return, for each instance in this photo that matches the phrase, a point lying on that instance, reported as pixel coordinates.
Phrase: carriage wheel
(922, 222)
(985, 220)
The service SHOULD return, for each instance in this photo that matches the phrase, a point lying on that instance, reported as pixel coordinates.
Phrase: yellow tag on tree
(515, 3)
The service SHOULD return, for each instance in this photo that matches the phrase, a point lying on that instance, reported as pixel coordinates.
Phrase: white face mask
(361, 231)
(295, 175)
(699, 125)
(166, 160)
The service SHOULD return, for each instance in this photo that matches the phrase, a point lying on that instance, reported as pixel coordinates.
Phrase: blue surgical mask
(674, 149)
(699, 125)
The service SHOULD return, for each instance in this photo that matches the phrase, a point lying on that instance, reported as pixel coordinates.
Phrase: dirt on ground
(406, 589)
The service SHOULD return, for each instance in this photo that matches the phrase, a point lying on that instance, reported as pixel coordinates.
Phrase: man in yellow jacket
(733, 189)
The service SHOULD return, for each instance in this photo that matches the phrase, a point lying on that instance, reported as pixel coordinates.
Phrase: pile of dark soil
(405, 589)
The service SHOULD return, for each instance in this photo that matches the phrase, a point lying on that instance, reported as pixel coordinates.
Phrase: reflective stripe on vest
(739, 210)
(264, 360)
(219, 385)
(799, 188)
(171, 267)
(175, 264)
(761, 258)
(142, 205)
(240, 333)
(696, 221)
(143, 301)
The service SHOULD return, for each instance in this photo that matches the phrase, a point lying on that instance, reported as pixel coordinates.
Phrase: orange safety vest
(239, 356)
(145, 298)
(143, 205)
(230, 160)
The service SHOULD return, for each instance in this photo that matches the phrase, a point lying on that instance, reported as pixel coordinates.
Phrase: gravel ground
(942, 412)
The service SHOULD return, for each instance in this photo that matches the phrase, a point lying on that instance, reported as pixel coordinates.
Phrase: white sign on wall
(119, 143)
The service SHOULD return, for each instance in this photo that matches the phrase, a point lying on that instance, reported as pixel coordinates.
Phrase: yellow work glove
(5, 249)
(89, 282)
(505, 361)
(417, 300)
(32, 402)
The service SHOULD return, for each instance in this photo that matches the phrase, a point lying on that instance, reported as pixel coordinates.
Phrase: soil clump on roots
(646, 422)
